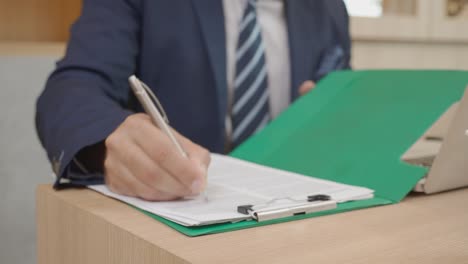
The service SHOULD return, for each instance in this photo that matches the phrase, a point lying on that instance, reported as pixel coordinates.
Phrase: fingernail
(197, 186)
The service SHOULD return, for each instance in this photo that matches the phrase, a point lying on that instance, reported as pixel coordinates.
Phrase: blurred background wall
(407, 34)
(32, 37)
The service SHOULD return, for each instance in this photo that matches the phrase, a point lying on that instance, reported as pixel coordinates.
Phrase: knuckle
(149, 176)
(135, 120)
(131, 120)
(110, 141)
(162, 155)
(114, 140)
(108, 163)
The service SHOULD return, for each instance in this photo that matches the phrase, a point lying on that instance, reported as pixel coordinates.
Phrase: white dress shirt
(272, 19)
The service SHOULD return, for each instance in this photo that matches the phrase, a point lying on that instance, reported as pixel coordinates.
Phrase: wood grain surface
(81, 226)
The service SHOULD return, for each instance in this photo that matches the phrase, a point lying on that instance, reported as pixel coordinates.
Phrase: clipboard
(237, 192)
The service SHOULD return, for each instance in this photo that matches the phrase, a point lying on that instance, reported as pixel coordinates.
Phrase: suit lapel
(211, 17)
(305, 27)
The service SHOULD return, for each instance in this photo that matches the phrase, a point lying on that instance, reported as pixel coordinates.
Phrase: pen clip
(155, 100)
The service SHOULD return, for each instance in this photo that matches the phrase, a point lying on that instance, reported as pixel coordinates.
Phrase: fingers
(120, 180)
(114, 183)
(142, 161)
(198, 155)
(145, 170)
(306, 87)
(162, 151)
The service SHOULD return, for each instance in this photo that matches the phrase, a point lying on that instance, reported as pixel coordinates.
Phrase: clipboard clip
(276, 208)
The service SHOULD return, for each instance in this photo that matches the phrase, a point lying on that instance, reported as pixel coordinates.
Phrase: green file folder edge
(352, 128)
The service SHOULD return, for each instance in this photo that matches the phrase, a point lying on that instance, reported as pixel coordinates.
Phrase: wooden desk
(81, 226)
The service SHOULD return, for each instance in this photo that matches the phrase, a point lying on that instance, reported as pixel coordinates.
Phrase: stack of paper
(233, 182)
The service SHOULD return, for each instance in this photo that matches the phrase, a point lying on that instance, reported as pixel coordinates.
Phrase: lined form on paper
(233, 182)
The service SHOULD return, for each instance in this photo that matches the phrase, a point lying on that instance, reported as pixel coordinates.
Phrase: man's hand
(141, 161)
(306, 87)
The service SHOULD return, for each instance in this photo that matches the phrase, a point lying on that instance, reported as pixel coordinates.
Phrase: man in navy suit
(221, 68)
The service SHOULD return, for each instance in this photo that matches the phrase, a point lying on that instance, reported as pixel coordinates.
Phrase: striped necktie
(250, 108)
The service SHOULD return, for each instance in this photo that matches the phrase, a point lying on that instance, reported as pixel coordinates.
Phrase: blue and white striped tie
(250, 108)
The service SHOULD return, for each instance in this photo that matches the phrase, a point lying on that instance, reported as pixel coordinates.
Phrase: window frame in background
(430, 23)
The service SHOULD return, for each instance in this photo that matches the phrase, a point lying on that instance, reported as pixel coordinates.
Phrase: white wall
(23, 163)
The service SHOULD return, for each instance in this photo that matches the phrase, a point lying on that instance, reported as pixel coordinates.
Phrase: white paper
(233, 182)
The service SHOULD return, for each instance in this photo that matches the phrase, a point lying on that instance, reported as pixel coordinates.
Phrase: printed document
(233, 182)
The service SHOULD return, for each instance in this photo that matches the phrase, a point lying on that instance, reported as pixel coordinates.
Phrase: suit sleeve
(340, 18)
(86, 97)
(338, 54)
(343, 34)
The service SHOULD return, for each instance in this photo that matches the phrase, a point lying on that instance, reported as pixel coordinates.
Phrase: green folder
(352, 128)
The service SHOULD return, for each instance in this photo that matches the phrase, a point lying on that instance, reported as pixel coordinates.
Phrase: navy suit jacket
(177, 47)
